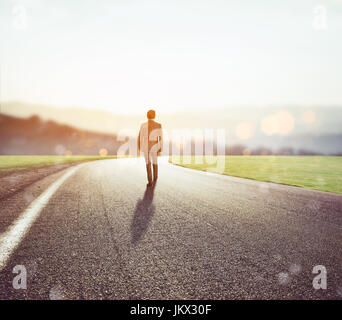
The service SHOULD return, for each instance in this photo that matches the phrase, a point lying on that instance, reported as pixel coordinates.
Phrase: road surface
(103, 235)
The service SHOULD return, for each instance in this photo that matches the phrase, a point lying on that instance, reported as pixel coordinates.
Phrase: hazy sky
(176, 55)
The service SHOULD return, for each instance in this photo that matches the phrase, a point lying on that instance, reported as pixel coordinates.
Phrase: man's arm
(160, 140)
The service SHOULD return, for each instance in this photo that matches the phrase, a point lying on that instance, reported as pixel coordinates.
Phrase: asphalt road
(103, 235)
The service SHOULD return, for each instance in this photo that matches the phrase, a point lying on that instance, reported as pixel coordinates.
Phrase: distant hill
(45, 134)
(33, 136)
(327, 119)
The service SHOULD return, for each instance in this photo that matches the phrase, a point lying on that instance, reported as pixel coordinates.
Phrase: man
(150, 143)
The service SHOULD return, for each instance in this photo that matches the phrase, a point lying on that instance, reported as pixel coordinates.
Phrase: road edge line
(12, 237)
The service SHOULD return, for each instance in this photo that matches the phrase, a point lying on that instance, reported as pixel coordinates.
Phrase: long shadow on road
(143, 214)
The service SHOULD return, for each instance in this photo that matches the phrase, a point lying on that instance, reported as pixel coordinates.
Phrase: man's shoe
(150, 184)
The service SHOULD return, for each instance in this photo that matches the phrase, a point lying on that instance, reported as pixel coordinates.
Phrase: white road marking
(11, 238)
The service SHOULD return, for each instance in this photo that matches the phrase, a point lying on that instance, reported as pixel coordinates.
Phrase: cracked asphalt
(104, 235)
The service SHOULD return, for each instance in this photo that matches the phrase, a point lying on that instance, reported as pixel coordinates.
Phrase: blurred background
(74, 74)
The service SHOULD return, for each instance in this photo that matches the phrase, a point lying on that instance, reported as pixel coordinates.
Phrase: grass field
(313, 172)
(7, 162)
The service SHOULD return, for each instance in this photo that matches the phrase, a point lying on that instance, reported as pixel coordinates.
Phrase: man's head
(151, 114)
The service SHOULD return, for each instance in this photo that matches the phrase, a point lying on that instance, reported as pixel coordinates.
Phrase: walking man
(150, 143)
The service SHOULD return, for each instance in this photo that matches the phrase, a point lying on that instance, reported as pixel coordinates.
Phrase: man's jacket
(150, 137)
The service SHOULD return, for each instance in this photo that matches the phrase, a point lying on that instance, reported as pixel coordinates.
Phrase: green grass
(7, 162)
(313, 172)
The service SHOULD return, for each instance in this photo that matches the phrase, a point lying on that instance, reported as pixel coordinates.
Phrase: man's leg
(154, 157)
(149, 173)
(148, 168)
